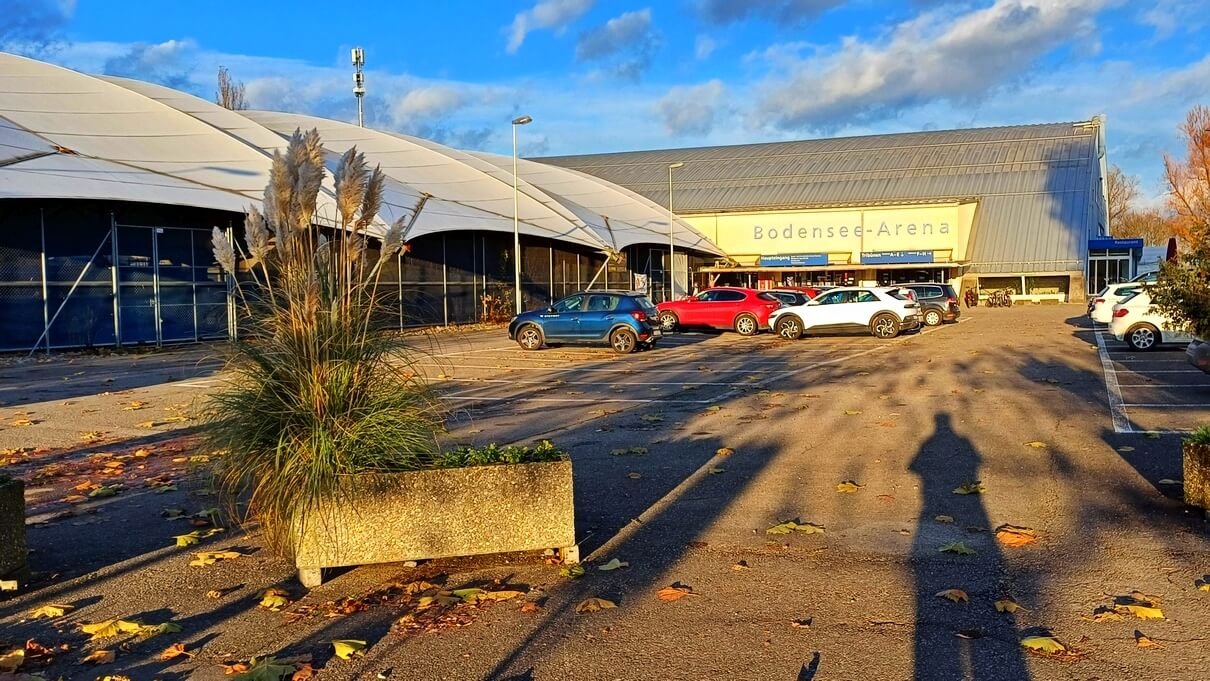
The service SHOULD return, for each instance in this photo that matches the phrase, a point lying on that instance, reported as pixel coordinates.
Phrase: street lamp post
(671, 232)
(520, 120)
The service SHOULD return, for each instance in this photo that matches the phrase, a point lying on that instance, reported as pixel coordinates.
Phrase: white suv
(883, 312)
(1142, 326)
(1101, 306)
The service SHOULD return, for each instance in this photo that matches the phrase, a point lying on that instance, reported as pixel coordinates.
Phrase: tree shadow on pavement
(950, 642)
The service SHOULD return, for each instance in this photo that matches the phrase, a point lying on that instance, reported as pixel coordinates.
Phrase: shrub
(1201, 436)
(494, 454)
(317, 390)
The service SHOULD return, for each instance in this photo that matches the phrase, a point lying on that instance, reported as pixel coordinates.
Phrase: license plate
(656, 333)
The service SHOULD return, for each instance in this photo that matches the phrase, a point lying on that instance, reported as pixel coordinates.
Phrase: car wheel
(932, 318)
(789, 327)
(884, 326)
(1143, 337)
(668, 322)
(746, 325)
(623, 341)
(529, 337)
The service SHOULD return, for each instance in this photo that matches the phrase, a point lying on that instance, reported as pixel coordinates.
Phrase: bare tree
(230, 94)
(1153, 225)
(1123, 191)
(1189, 178)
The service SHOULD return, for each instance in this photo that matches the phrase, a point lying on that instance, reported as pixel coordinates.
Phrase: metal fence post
(155, 285)
(399, 285)
(114, 281)
(83, 271)
(445, 285)
(45, 288)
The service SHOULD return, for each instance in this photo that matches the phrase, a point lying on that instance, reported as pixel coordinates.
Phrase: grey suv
(938, 302)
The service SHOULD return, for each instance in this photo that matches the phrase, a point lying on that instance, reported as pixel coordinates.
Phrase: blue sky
(607, 75)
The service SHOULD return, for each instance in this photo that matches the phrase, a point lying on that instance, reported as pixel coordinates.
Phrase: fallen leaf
(955, 595)
(349, 648)
(801, 623)
(146, 425)
(1011, 535)
(100, 657)
(106, 491)
(944, 518)
(1008, 605)
(628, 451)
(716, 471)
(214, 593)
(1104, 615)
(848, 487)
(531, 606)
(741, 566)
(134, 405)
(975, 487)
(675, 592)
(173, 513)
(22, 422)
(958, 548)
(173, 651)
(651, 418)
(104, 629)
(1037, 444)
(1202, 584)
(724, 451)
(1170, 481)
(969, 634)
(149, 630)
(274, 599)
(634, 475)
(572, 571)
(794, 526)
(594, 605)
(613, 564)
(852, 412)
(501, 595)
(51, 611)
(211, 557)
(304, 673)
(1144, 641)
(1044, 644)
(10, 662)
(1125, 448)
(260, 669)
(1143, 612)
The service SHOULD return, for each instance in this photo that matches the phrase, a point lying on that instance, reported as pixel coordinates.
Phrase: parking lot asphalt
(1015, 399)
(1156, 391)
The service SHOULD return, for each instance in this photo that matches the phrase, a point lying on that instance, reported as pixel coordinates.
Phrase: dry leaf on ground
(975, 487)
(1008, 605)
(274, 599)
(1037, 444)
(944, 518)
(572, 571)
(174, 651)
(958, 548)
(50, 611)
(955, 595)
(795, 526)
(848, 487)
(594, 604)
(613, 564)
(675, 592)
(724, 451)
(1048, 645)
(1011, 535)
(349, 648)
(100, 657)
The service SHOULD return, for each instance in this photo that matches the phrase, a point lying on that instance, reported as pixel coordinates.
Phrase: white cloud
(629, 37)
(944, 54)
(170, 63)
(704, 46)
(428, 101)
(1169, 16)
(782, 11)
(692, 110)
(28, 25)
(556, 14)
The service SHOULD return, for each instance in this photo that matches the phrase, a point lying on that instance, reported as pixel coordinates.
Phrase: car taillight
(1120, 312)
(639, 316)
(1097, 300)
(951, 300)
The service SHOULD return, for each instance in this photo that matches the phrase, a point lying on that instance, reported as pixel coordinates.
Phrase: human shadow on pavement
(954, 640)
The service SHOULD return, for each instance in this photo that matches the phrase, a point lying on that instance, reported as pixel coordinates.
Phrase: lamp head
(678, 164)
(522, 120)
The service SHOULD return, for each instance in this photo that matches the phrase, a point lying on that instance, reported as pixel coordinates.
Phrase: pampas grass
(317, 391)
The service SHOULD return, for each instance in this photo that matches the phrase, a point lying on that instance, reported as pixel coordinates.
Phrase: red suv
(743, 309)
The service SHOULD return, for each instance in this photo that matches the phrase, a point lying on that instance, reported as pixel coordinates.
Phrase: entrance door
(1105, 270)
(168, 288)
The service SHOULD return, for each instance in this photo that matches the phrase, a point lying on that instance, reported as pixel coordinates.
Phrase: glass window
(602, 303)
(707, 296)
(831, 298)
(729, 296)
(866, 297)
(569, 304)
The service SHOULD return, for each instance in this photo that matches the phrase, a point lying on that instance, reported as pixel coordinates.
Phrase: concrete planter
(13, 550)
(389, 518)
(1197, 475)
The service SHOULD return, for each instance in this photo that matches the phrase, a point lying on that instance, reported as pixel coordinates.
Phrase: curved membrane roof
(64, 134)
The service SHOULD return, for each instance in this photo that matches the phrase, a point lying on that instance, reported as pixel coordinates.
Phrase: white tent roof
(443, 176)
(632, 218)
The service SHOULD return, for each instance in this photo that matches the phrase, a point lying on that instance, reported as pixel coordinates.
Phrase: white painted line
(576, 384)
(634, 370)
(574, 400)
(1163, 385)
(1170, 405)
(1117, 410)
(1167, 371)
(1174, 359)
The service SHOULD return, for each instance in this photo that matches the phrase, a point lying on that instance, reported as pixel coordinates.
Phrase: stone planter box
(1197, 475)
(13, 550)
(417, 515)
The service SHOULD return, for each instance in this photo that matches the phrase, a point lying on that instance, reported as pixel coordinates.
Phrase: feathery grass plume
(223, 252)
(317, 391)
(372, 201)
(257, 234)
(392, 240)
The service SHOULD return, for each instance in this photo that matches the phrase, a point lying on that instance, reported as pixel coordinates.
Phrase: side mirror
(550, 310)
(813, 301)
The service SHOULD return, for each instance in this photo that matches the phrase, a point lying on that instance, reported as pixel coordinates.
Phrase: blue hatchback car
(625, 321)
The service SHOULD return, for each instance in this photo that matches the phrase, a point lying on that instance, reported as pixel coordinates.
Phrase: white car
(883, 312)
(1101, 306)
(1142, 326)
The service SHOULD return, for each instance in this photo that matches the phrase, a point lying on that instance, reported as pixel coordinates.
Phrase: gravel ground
(1012, 398)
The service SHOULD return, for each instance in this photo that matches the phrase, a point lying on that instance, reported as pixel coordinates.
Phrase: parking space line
(474, 351)
(577, 400)
(1117, 410)
(1163, 385)
(1169, 405)
(582, 383)
(1169, 371)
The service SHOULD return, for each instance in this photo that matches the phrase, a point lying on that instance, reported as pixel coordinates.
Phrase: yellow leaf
(852, 412)
(1037, 444)
(958, 548)
(50, 611)
(724, 451)
(1144, 641)
(106, 491)
(1203, 584)
(594, 605)
(1007, 605)
(675, 592)
(100, 657)
(1104, 615)
(22, 422)
(1044, 644)
(1143, 612)
(468, 595)
(134, 405)
(174, 651)
(944, 518)
(975, 487)
(1011, 535)
(101, 630)
(955, 595)
(348, 648)
(274, 599)
(613, 564)
(9, 662)
(502, 595)
(572, 571)
(794, 526)
(211, 557)
(848, 487)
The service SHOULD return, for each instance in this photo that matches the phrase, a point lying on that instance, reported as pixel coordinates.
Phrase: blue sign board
(795, 260)
(896, 257)
(1112, 244)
